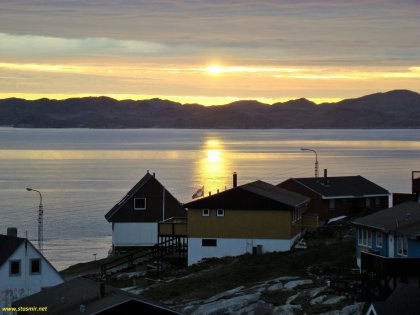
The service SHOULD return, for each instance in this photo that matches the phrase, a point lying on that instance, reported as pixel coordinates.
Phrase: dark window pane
(15, 267)
(35, 266)
(140, 203)
(208, 242)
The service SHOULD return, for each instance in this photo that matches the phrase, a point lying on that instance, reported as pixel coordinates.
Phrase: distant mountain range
(394, 109)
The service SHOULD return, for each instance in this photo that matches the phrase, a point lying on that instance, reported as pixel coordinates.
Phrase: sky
(208, 52)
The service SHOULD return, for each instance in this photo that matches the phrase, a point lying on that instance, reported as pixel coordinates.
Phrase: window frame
(381, 237)
(222, 212)
(402, 250)
(365, 238)
(205, 212)
(18, 274)
(31, 266)
(296, 215)
(145, 204)
(208, 242)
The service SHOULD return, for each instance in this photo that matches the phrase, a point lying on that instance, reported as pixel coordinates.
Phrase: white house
(23, 269)
(135, 218)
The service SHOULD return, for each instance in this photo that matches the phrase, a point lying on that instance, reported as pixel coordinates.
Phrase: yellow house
(253, 217)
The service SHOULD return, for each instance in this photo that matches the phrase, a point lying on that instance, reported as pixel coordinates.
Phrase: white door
(390, 245)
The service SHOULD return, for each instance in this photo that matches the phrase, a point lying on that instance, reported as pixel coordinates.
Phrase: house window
(331, 204)
(208, 242)
(367, 202)
(402, 246)
(139, 203)
(296, 215)
(377, 202)
(379, 240)
(14, 267)
(365, 237)
(220, 212)
(205, 212)
(35, 265)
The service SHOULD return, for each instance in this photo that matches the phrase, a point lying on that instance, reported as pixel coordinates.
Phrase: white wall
(234, 247)
(135, 234)
(15, 287)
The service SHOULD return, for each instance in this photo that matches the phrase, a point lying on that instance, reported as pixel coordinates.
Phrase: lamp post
(40, 220)
(316, 161)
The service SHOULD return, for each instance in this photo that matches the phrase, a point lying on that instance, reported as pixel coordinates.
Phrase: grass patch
(90, 267)
(218, 275)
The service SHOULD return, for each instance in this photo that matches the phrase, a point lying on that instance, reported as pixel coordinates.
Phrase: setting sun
(214, 69)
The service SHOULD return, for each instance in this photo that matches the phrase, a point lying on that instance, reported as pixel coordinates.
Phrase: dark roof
(405, 300)
(275, 193)
(343, 186)
(67, 297)
(132, 191)
(8, 245)
(146, 178)
(254, 196)
(403, 218)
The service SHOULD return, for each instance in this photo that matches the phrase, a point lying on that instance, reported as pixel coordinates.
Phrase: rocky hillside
(296, 282)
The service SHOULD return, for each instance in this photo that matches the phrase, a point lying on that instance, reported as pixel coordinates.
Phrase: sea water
(82, 173)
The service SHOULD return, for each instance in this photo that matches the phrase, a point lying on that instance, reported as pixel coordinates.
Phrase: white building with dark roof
(135, 218)
(23, 269)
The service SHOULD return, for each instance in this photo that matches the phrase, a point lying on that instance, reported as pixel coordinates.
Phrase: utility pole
(316, 161)
(40, 221)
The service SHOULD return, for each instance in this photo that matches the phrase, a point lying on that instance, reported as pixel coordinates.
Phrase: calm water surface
(83, 173)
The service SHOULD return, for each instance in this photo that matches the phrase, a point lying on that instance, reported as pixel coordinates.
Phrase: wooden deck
(381, 275)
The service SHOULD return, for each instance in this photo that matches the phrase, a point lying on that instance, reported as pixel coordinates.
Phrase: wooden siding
(153, 192)
(263, 224)
(172, 229)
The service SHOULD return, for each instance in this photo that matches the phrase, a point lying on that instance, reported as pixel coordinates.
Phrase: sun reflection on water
(213, 167)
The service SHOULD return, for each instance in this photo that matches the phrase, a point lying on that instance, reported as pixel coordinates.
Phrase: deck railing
(389, 266)
(156, 252)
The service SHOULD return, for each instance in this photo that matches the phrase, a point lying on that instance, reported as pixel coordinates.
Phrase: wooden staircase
(154, 257)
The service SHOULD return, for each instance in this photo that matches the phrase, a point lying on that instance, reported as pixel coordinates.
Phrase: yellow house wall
(263, 224)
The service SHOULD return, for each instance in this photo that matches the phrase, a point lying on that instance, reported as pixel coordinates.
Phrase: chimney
(235, 180)
(102, 289)
(12, 231)
(154, 174)
(325, 177)
(209, 193)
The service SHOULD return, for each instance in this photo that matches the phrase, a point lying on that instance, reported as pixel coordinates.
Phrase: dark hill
(394, 109)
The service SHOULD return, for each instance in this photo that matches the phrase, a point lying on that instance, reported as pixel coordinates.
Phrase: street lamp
(40, 220)
(316, 161)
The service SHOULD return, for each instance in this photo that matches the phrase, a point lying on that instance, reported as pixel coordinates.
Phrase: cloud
(368, 31)
(45, 45)
(164, 46)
